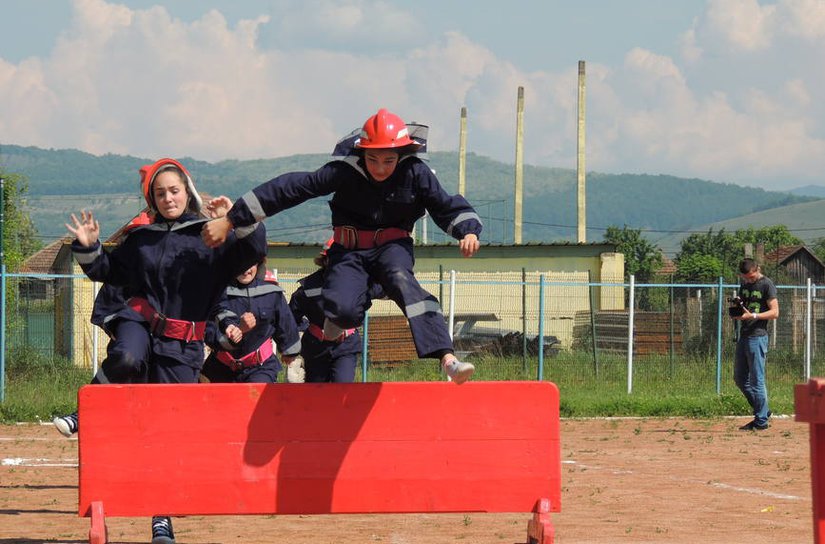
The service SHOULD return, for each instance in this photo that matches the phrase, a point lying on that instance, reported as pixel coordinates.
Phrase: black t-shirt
(755, 297)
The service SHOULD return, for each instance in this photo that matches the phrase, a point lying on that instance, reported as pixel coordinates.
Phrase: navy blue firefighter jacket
(168, 264)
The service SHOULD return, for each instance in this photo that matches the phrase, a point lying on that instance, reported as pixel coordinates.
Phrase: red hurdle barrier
(421, 447)
(809, 405)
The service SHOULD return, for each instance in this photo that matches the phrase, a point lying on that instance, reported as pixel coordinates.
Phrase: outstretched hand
(86, 229)
(469, 245)
(218, 207)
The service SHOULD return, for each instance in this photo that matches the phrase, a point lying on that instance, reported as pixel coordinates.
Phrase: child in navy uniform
(380, 188)
(173, 279)
(251, 314)
(325, 360)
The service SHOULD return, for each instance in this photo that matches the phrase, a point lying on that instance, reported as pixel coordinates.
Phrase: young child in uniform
(380, 189)
(173, 281)
(252, 313)
(325, 360)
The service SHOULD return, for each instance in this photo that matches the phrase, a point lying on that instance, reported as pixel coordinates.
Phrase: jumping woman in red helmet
(380, 188)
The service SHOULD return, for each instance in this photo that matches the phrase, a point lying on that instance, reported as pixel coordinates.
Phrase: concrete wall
(491, 281)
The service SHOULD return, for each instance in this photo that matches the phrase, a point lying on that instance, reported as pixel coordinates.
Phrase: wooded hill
(64, 181)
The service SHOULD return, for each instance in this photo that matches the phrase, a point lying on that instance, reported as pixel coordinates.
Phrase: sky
(723, 90)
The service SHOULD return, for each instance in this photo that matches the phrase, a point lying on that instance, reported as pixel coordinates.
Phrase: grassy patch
(39, 387)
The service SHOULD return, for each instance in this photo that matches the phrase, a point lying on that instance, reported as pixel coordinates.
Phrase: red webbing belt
(352, 238)
(318, 333)
(255, 358)
(160, 325)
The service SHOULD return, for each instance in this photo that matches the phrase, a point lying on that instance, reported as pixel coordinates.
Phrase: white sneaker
(459, 372)
(66, 425)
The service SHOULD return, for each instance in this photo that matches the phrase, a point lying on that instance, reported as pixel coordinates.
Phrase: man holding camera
(758, 305)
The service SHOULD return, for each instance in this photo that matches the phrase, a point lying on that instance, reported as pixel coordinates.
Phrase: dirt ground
(624, 480)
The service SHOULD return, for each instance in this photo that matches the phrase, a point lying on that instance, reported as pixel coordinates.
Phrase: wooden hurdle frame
(809, 406)
(412, 447)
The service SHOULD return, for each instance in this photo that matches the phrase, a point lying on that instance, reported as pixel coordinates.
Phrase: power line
(293, 229)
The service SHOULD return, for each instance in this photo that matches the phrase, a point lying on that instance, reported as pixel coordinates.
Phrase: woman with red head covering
(172, 279)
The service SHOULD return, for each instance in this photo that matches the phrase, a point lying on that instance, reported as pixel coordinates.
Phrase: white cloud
(804, 18)
(26, 101)
(744, 24)
(654, 120)
(691, 52)
(797, 92)
(738, 105)
(372, 27)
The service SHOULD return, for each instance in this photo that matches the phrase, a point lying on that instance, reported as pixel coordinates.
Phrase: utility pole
(462, 153)
(519, 191)
(580, 168)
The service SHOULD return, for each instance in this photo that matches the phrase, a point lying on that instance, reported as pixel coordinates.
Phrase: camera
(737, 307)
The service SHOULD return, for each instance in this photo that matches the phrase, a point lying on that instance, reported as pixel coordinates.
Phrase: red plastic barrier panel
(319, 448)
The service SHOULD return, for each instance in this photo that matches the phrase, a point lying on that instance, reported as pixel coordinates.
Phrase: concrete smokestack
(580, 168)
(519, 191)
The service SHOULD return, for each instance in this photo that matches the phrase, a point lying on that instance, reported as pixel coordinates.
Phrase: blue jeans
(749, 374)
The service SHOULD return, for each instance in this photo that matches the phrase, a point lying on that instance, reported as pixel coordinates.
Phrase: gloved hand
(295, 371)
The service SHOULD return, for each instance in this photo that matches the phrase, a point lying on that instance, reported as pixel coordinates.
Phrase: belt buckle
(350, 237)
(237, 364)
(376, 238)
(190, 334)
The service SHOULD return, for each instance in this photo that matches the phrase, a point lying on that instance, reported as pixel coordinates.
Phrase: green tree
(19, 242)
(818, 247)
(642, 259)
(772, 237)
(19, 235)
(699, 268)
(720, 245)
(729, 248)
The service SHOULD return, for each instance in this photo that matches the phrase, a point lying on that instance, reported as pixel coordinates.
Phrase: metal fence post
(95, 334)
(524, 320)
(452, 303)
(441, 282)
(670, 301)
(630, 319)
(719, 296)
(541, 328)
(808, 330)
(593, 339)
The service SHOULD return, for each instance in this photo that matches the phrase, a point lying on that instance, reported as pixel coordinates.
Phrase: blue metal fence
(646, 335)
